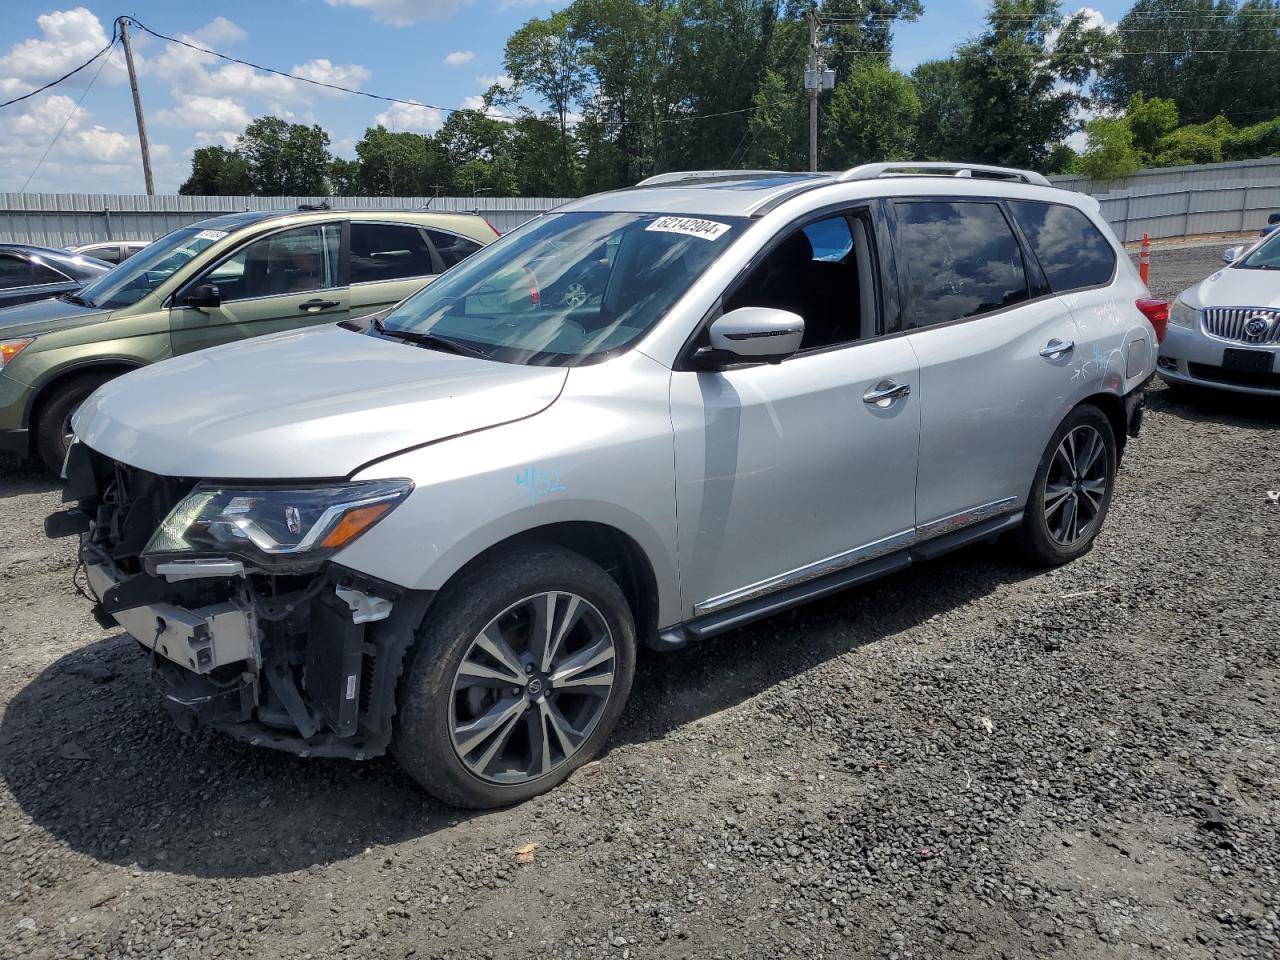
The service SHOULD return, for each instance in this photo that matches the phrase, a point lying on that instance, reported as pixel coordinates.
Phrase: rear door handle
(884, 393)
(315, 306)
(1056, 348)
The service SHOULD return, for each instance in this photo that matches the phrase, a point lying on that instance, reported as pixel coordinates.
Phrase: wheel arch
(615, 551)
(47, 387)
(1112, 408)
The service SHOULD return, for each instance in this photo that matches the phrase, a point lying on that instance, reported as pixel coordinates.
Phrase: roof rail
(873, 171)
(675, 176)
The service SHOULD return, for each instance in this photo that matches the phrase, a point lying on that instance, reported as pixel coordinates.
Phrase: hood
(41, 316)
(313, 404)
(1236, 288)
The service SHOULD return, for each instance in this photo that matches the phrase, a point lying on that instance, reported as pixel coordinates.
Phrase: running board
(700, 628)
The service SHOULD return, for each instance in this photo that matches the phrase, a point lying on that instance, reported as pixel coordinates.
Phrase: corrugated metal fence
(66, 219)
(1187, 201)
(1164, 202)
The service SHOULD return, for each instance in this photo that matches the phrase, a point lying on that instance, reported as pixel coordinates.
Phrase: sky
(439, 52)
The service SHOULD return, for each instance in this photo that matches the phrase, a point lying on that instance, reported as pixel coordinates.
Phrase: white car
(1225, 331)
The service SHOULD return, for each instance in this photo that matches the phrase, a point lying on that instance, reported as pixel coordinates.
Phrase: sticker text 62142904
(689, 226)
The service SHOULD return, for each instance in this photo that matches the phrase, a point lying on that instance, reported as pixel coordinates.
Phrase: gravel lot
(967, 759)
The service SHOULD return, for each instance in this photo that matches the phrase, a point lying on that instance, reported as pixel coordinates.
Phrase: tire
(1046, 536)
(454, 688)
(53, 422)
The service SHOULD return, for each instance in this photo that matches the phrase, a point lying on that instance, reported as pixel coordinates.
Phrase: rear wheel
(1072, 489)
(518, 678)
(53, 423)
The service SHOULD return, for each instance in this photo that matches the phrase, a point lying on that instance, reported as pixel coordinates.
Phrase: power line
(65, 76)
(74, 111)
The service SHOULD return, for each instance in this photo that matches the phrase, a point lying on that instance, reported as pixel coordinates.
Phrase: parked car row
(224, 279)
(647, 417)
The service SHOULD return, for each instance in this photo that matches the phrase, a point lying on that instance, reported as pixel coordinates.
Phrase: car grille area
(1243, 324)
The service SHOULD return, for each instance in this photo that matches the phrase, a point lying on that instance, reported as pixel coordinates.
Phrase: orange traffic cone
(1144, 259)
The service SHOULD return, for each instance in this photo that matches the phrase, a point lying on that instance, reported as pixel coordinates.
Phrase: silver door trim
(810, 571)
(849, 558)
(956, 521)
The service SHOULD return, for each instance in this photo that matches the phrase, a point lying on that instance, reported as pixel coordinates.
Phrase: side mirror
(752, 335)
(203, 295)
(1274, 218)
(1232, 254)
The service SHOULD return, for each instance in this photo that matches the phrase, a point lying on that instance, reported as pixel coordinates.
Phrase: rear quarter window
(1072, 252)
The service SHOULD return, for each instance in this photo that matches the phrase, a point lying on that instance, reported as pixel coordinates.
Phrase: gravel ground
(967, 759)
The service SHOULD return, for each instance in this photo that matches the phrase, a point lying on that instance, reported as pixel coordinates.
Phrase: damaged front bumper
(307, 663)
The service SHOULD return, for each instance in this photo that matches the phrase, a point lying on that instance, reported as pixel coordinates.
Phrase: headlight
(11, 348)
(1183, 314)
(279, 530)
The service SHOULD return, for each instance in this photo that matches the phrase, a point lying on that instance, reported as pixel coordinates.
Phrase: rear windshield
(567, 288)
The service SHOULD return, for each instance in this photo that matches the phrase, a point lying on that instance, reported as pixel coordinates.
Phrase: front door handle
(315, 306)
(1056, 348)
(884, 393)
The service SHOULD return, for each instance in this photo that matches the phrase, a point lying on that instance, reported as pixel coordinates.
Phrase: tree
(1208, 56)
(1025, 91)
(777, 125)
(478, 149)
(872, 116)
(285, 159)
(1150, 120)
(344, 177)
(1109, 154)
(1194, 143)
(217, 171)
(401, 164)
(946, 109)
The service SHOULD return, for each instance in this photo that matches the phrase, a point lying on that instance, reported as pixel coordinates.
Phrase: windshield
(134, 278)
(1266, 256)
(567, 288)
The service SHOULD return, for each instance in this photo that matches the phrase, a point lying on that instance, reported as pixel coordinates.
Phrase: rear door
(982, 323)
(388, 262)
(290, 278)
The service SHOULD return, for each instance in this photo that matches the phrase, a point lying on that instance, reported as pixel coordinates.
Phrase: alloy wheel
(575, 295)
(1076, 486)
(532, 687)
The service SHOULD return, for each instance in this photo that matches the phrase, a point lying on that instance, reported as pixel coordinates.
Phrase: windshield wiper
(75, 298)
(430, 340)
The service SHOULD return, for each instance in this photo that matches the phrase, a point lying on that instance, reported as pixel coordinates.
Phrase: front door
(786, 472)
(982, 326)
(291, 278)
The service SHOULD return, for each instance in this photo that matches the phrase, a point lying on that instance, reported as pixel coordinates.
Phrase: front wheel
(1072, 489)
(518, 678)
(53, 425)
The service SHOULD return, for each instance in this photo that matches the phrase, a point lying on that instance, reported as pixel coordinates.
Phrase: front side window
(136, 277)
(566, 287)
(1266, 256)
(292, 261)
(1072, 252)
(822, 272)
(960, 259)
(387, 251)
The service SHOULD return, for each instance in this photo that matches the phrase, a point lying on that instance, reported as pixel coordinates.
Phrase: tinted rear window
(1072, 252)
(961, 259)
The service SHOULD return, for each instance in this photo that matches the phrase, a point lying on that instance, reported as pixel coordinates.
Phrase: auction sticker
(210, 235)
(689, 226)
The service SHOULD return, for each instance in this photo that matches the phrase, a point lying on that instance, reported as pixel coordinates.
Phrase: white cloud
(411, 117)
(487, 80)
(219, 32)
(401, 13)
(203, 112)
(343, 74)
(477, 103)
(459, 58)
(216, 138)
(69, 38)
(1091, 19)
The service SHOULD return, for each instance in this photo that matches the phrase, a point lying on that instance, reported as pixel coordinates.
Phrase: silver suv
(648, 417)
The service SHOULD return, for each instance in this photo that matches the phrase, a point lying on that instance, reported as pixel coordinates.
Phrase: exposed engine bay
(303, 661)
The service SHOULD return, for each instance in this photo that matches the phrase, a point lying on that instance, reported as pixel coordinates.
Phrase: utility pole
(122, 22)
(812, 85)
